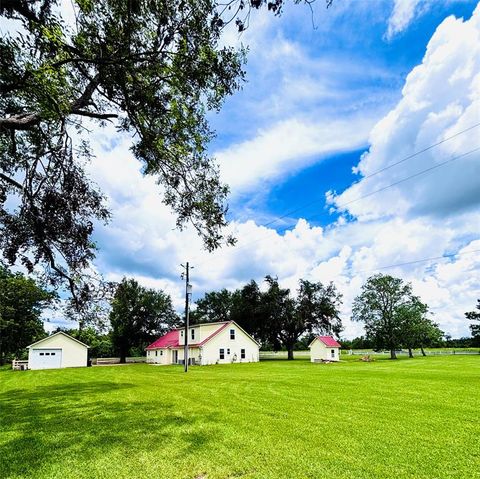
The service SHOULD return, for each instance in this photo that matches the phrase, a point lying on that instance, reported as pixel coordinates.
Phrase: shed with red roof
(324, 348)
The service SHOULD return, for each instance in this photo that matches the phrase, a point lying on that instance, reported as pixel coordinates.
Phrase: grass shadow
(80, 421)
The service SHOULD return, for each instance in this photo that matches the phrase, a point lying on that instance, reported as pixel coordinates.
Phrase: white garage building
(57, 351)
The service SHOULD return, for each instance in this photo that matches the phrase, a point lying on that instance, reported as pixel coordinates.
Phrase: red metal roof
(329, 341)
(169, 340)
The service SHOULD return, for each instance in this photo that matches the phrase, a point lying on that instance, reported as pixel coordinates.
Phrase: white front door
(46, 359)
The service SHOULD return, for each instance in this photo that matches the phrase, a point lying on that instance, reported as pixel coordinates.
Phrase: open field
(276, 419)
(344, 353)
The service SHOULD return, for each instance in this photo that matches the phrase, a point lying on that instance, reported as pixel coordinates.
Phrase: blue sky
(365, 71)
(323, 108)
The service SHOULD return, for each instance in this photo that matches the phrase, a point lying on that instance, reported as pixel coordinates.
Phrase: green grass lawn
(414, 418)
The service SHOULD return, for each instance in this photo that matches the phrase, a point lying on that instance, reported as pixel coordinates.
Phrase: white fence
(105, 361)
(415, 351)
(19, 364)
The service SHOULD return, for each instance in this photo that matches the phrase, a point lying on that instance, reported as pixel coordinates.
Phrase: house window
(232, 334)
(156, 353)
(47, 354)
(228, 352)
(161, 353)
(242, 353)
(193, 334)
(333, 353)
(181, 333)
(222, 353)
(41, 354)
(53, 354)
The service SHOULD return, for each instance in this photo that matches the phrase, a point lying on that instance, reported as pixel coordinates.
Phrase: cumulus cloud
(440, 99)
(435, 216)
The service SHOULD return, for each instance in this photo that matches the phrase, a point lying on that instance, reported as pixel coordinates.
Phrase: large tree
(138, 316)
(22, 302)
(475, 328)
(247, 311)
(153, 68)
(214, 306)
(418, 330)
(315, 309)
(382, 306)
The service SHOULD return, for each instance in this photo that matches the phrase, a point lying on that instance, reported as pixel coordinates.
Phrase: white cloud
(286, 147)
(418, 220)
(404, 12)
(440, 98)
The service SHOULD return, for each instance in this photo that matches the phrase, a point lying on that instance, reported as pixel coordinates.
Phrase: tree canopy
(153, 68)
(22, 302)
(418, 330)
(392, 315)
(139, 315)
(475, 328)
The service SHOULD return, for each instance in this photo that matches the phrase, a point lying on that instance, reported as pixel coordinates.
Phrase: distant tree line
(22, 302)
(276, 317)
(393, 317)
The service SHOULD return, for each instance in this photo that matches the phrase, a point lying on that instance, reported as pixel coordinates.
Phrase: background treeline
(278, 318)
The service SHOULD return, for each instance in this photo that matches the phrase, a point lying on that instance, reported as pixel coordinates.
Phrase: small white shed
(57, 351)
(324, 348)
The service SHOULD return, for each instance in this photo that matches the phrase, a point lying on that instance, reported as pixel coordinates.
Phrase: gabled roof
(329, 341)
(221, 328)
(169, 340)
(56, 334)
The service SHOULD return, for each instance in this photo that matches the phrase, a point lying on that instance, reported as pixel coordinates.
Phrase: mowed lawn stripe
(275, 419)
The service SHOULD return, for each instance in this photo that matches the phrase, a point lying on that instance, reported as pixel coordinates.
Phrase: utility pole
(188, 292)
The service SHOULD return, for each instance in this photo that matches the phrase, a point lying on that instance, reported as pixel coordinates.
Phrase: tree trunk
(393, 354)
(410, 353)
(290, 353)
(423, 352)
(123, 355)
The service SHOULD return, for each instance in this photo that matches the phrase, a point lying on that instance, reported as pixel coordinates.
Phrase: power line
(381, 170)
(406, 263)
(434, 167)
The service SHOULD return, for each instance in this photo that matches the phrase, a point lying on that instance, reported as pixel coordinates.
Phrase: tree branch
(100, 116)
(25, 121)
(19, 6)
(11, 181)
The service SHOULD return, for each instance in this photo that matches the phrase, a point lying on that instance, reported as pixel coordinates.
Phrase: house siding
(202, 332)
(211, 349)
(74, 354)
(318, 351)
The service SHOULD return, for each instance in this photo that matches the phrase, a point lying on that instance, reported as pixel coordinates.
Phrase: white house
(57, 351)
(324, 348)
(209, 343)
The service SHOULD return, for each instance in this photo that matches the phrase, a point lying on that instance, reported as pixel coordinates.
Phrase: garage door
(46, 358)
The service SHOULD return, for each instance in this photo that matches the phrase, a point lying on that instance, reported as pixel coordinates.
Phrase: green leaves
(392, 315)
(22, 301)
(138, 316)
